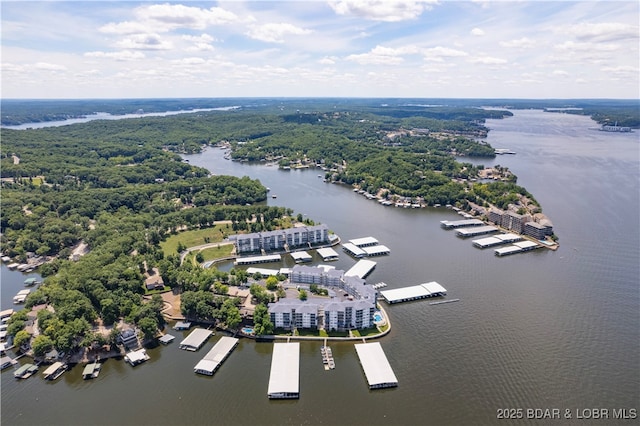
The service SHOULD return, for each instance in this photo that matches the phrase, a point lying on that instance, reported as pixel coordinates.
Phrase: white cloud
(124, 55)
(328, 60)
(521, 43)
(144, 42)
(572, 46)
(477, 32)
(487, 60)
(603, 31)
(172, 16)
(622, 71)
(382, 10)
(45, 66)
(560, 73)
(201, 43)
(438, 53)
(384, 55)
(275, 32)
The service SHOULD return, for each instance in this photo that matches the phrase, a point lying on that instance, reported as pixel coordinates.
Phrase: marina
(519, 247)
(475, 231)
(376, 366)
(284, 376)
(91, 371)
(361, 269)
(496, 240)
(416, 292)
(216, 356)
(54, 371)
(136, 357)
(195, 339)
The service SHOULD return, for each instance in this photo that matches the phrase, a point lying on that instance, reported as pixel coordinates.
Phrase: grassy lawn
(195, 237)
(367, 332)
(217, 252)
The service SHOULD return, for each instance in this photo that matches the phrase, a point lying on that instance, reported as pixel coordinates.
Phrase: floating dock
(216, 356)
(496, 240)
(361, 269)
(25, 371)
(195, 339)
(364, 242)
(54, 371)
(6, 362)
(353, 250)
(441, 302)
(21, 296)
(377, 250)
(301, 256)
(327, 358)
(136, 357)
(166, 339)
(518, 247)
(258, 259)
(284, 378)
(376, 367)
(91, 371)
(475, 231)
(182, 325)
(452, 224)
(421, 291)
(327, 254)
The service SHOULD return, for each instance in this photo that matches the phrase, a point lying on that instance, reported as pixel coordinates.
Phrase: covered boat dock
(496, 240)
(378, 250)
(421, 291)
(364, 242)
(301, 256)
(195, 339)
(361, 269)
(327, 254)
(54, 371)
(258, 259)
(519, 247)
(376, 367)
(475, 231)
(452, 224)
(284, 378)
(353, 250)
(216, 356)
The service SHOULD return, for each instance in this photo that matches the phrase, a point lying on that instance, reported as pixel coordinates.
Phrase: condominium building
(538, 230)
(282, 239)
(514, 221)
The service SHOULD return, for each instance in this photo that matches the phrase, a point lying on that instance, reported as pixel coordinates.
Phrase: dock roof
(258, 259)
(366, 241)
(52, 368)
(376, 250)
(327, 253)
(419, 291)
(301, 256)
(361, 269)
(285, 370)
(195, 339)
(375, 365)
(353, 250)
(212, 360)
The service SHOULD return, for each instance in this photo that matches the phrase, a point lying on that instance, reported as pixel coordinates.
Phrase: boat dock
(284, 377)
(327, 357)
(29, 282)
(301, 256)
(364, 242)
(420, 291)
(496, 240)
(25, 371)
(376, 366)
(475, 231)
(195, 339)
(166, 339)
(519, 247)
(216, 356)
(453, 224)
(377, 250)
(353, 250)
(361, 269)
(258, 259)
(91, 371)
(327, 254)
(6, 362)
(54, 371)
(136, 357)
(21, 296)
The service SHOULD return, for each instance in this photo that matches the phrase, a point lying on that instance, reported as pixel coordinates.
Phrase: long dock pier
(376, 366)
(284, 378)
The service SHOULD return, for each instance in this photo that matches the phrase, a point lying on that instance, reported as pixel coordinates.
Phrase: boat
(327, 358)
(274, 196)
(25, 371)
(91, 371)
(54, 371)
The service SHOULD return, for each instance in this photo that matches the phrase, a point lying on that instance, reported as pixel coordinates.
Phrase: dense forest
(121, 188)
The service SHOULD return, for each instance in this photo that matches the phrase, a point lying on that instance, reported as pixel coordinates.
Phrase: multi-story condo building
(282, 239)
(538, 230)
(291, 313)
(514, 221)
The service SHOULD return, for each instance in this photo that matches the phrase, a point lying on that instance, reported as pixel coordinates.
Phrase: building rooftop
(284, 378)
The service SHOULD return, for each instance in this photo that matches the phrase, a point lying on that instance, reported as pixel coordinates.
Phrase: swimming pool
(377, 317)
(247, 330)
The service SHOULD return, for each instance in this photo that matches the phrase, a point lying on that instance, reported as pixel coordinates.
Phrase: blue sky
(350, 48)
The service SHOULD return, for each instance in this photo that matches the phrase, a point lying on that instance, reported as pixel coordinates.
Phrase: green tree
(149, 327)
(41, 344)
(303, 294)
(271, 283)
(21, 338)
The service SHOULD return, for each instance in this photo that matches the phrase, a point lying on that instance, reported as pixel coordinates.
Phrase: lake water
(536, 330)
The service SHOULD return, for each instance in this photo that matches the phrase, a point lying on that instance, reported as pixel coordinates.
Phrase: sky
(321, 48)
